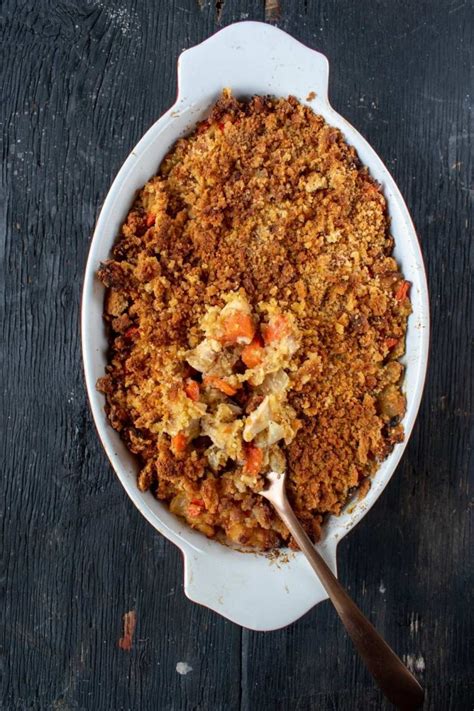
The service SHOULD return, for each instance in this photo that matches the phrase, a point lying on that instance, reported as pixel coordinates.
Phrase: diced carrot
(402, 290)
(195, 507)
(238, 328)
(220, 384)
(276, 329)
(150, 219)
(252, 355)
(178, 443)
(391, 343)
(253, 460)
(131, 333)
(191, 388)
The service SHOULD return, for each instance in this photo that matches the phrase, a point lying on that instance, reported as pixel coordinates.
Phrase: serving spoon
(397, 683)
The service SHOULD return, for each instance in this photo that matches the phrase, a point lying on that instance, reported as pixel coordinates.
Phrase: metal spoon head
(274, 490)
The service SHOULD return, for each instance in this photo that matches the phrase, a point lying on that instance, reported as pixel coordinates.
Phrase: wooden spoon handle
(397, 683)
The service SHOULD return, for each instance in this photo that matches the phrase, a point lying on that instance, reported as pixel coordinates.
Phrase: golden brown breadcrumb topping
(266, 201)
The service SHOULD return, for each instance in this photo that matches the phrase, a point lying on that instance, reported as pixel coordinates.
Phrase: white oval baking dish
(251, 58)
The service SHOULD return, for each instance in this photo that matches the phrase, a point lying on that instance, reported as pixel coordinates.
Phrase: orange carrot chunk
(275, 330)
(131, 333)
(150, 219)
(391, 343)
(402, 290)
(220, 384)
(252, 355)
(238, 328)
(195, 507)
(178, 443)
(253, 460)
(191, 388)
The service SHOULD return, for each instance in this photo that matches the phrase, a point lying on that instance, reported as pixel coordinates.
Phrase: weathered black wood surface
(82, 80)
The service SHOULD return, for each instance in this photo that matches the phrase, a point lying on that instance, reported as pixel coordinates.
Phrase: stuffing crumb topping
(256, 318)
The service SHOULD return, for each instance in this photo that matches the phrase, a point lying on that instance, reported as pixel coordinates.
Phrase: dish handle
(247, 56)
(257, 591)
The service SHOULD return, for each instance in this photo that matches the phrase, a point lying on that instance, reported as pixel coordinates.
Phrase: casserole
(250, 58)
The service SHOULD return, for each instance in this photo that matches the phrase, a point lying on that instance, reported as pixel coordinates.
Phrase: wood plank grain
(82, 81)
(399, 79)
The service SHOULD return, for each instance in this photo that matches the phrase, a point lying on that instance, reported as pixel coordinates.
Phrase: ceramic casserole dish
(250, 58)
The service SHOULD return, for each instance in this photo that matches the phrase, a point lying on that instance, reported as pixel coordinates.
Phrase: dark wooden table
(82, 80)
